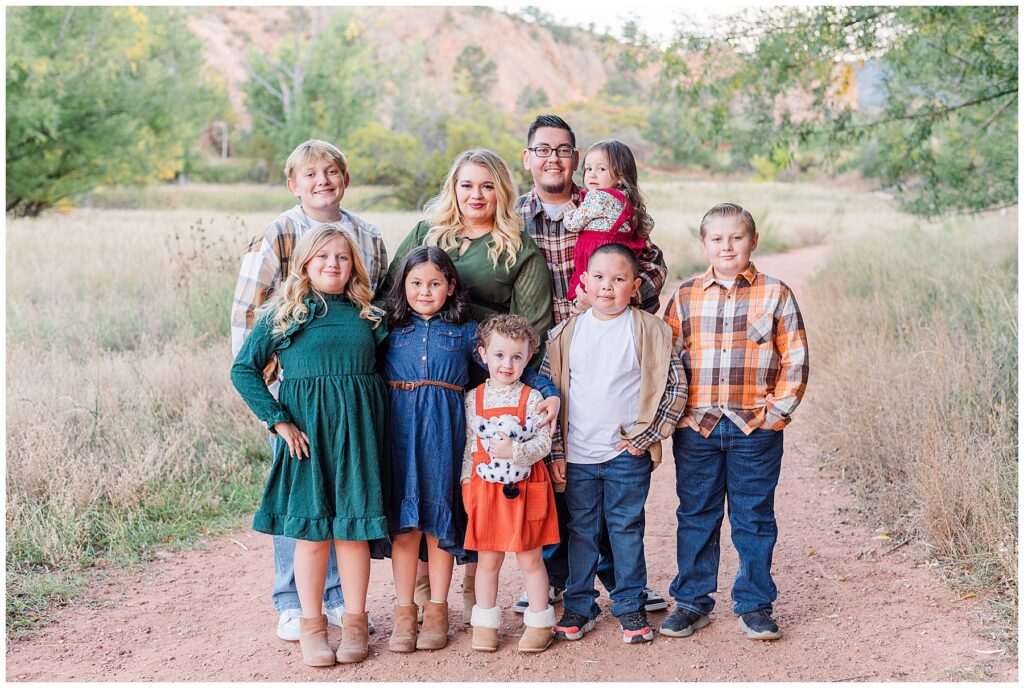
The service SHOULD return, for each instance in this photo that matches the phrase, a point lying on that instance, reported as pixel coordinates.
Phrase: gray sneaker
(681, 623)
(522, 604)
(655, 602)
(760, 625)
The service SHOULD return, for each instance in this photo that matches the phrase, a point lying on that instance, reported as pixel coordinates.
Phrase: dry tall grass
(915, 387)
(124, 433)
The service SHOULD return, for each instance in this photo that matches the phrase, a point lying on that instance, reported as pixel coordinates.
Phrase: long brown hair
(623, 168)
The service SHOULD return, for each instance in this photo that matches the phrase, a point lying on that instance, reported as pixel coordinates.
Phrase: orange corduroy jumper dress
(497, 523)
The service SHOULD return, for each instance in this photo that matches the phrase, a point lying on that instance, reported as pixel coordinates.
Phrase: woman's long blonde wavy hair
(288, 302)
(445, 218)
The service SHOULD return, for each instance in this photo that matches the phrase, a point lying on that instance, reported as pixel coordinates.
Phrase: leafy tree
(532, 99)
(100, 95)
(321, 83)
(945, 137)
(475, 74)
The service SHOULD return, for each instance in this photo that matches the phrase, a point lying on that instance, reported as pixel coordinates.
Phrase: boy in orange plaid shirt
(742, 342)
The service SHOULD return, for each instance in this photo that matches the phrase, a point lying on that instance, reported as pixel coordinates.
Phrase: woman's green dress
(332, 392)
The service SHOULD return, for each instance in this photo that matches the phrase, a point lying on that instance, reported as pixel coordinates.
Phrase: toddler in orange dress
(496, 522)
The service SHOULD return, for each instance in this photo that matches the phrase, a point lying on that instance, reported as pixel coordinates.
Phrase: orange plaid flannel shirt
(744, 350)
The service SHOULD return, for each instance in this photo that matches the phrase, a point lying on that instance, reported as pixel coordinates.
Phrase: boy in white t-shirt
(626, 391)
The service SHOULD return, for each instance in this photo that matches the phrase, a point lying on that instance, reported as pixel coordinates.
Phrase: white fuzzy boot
(486, 623)
(539, 630)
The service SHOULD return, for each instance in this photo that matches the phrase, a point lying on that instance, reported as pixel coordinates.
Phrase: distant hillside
(569, 64)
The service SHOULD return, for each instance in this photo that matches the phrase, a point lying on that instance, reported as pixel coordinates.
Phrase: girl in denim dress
(426, 366)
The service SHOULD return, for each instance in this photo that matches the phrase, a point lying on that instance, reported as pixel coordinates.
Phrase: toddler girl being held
(612, 208)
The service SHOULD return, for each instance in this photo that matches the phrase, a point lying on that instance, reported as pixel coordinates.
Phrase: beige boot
(355, 638)
(403, 637)
(421, 595)
(434, 634)
(316, 651)
(539, 630)
(486, 623)
(468, 597)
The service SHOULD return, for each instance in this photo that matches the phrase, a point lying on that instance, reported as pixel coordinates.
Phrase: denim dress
(428, 428)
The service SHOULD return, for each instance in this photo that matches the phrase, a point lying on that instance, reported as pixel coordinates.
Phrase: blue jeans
(612, 493)
(285, 595)
(556, 557)
(744, 469)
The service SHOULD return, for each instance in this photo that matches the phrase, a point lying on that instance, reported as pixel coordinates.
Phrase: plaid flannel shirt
(744, 349)
(558, 246)
(266, 262)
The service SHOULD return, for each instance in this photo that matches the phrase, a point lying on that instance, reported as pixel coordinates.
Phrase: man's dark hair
(553, 121)
(616, 250)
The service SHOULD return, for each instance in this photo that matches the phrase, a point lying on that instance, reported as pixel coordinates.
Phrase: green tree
(321, 83)
(100, 95)
(475, 74)
(779, 79)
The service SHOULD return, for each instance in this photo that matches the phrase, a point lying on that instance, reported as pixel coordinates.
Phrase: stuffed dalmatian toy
(503, 470)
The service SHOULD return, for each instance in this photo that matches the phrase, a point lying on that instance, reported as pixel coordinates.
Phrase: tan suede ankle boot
(486, 623)
(539, 630)
(355, 638)
(403, 637)
(421, 595)
(434, 634)
(316, 652)
(468, 596)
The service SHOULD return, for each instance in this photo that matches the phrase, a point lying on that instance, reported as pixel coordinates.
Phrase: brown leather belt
(409, 386)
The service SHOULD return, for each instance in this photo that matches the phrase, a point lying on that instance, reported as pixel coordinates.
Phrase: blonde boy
(741, 339)
(317, 175)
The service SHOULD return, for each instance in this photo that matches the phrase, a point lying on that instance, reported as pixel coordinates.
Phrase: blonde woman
(474, 220)
(325, 483)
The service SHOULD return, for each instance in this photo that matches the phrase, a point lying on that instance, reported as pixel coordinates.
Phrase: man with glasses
(551, 157)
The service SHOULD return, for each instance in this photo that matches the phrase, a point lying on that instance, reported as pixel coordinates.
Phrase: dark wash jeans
(609, 494)
(745, 470)
(556, 557)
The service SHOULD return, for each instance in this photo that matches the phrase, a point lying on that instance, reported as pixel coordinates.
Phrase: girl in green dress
(325, 482)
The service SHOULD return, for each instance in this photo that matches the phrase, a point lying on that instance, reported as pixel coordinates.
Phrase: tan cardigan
(654, 351)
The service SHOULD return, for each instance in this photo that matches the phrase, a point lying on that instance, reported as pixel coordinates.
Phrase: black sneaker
(635, 628)
(760, 625)
(681, 623)
(572, 626)
(655, 602)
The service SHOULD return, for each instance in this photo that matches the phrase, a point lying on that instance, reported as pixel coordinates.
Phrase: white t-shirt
(604, 387)
(554, 210)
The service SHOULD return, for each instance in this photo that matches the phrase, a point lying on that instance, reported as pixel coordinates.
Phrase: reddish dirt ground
(852, 607)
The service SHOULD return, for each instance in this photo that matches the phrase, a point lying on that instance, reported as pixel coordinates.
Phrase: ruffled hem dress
(332, 392)
(428, 360)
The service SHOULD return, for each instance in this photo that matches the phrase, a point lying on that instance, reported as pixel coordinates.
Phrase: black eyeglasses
(545, 151)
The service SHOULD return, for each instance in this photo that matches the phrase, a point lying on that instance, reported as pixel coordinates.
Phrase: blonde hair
(288, 302)
(315, 149)
(728, 210)
(445, 218)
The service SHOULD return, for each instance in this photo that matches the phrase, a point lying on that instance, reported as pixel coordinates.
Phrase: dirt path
(851, 607)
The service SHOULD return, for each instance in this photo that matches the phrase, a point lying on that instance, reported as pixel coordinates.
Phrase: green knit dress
(332, 392)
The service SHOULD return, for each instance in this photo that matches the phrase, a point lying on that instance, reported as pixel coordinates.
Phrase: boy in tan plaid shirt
(742, 342)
